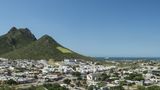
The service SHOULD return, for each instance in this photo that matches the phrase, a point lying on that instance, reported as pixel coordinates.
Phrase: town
(75, 74)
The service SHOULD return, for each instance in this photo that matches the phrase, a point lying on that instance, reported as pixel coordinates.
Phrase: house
(156, 72)
(148, 82)
(25, 80)
(92, 78)
(65, 69)
(48, 69)
(52, 77)
(70, 61)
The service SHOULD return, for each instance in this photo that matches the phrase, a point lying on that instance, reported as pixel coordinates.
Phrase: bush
(117, 88)
(11, 82)
(6, 87)
(148, 88)
(54, 86)
(135, 76)
(77, 74)
(67, 81)
(104, 76)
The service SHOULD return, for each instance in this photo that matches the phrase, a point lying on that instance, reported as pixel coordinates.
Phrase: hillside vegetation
(22, 44)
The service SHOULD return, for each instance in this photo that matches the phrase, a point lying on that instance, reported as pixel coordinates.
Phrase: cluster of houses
(32, 71)
(26, 71)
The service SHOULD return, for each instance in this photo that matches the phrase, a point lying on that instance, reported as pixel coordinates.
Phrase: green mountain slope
(44, 48)
(15, 39)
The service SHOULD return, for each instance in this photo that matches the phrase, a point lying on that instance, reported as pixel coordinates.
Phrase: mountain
(44, 48)
(15, 39)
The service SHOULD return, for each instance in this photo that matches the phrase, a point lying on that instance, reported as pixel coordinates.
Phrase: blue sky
(90, 27)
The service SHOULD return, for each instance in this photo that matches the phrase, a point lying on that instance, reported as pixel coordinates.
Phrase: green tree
(11, 82)
(135, 76)
(77, 74)
(54, 86)
(104, 77)
(91, 87)
(117, 88)
(67, 81)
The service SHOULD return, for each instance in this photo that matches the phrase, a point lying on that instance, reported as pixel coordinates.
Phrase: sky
(104, 28)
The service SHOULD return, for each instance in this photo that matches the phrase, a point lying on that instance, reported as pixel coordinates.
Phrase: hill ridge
(43, 48)
(15, 39)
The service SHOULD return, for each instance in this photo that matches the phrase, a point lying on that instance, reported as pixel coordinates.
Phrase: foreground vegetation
(149, 88)
(54, 86)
